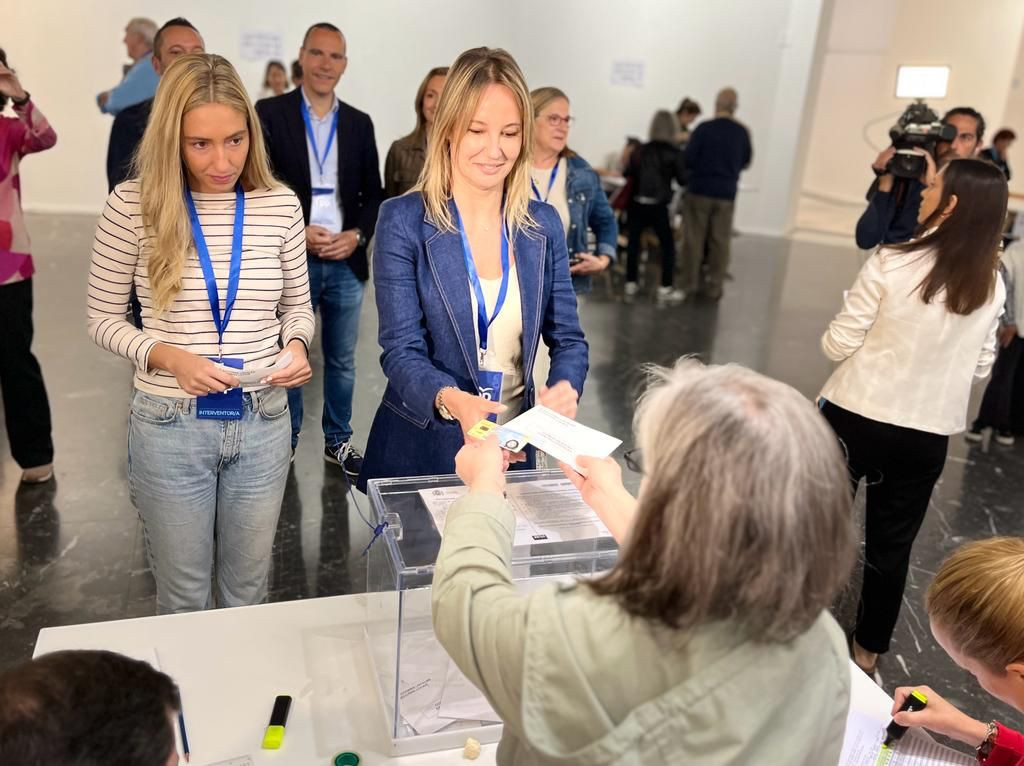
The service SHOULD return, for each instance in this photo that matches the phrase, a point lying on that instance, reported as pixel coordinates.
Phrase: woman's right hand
(470, 409)
(938, 716)
(602, 489)
(196, 375)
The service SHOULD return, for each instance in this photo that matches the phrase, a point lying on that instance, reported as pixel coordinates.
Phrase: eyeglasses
(554, 120)
(634, 460)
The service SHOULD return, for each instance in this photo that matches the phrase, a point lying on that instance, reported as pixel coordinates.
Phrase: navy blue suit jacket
(428, 336)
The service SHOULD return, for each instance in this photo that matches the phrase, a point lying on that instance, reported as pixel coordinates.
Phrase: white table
(230, 664)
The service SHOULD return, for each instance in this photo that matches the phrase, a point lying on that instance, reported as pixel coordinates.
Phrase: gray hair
(727, 100)
(144, 28)
(663, 127)
(744, 511)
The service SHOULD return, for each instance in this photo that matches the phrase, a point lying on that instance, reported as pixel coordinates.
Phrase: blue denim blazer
(588, 209)
(428, 337)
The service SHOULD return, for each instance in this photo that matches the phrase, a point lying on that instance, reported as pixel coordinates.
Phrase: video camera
(917, 128)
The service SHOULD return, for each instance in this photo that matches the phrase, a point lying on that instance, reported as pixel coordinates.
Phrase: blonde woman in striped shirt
(215, 248)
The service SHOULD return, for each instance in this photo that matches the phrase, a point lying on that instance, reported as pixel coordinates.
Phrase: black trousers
(656, 217)
(26, 409)
(996, 403)
(901, 466)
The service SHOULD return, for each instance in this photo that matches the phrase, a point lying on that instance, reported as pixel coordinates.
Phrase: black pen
(184, 736)
(914, 701)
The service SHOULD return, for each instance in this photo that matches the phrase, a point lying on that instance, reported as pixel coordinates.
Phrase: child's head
(976, 604)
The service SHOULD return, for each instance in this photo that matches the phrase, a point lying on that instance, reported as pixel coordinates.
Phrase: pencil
(184, 736)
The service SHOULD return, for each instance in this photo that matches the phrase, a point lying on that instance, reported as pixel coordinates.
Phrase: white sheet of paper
(460, 700)
(423, 674)
(869, 715)
(549, 511)
(562, 438)
(254, 375)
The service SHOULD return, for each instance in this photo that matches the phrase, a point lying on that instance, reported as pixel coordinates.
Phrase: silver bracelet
(985, 747)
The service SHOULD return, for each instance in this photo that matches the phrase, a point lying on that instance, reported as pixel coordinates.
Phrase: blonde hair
(541, 97)
(977, 597)
(744, 512)
(468, 77)
(190, 82)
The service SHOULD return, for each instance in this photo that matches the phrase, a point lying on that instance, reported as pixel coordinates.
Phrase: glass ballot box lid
(428, 704)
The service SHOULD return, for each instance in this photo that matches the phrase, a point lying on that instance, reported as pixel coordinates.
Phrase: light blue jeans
(194, 481)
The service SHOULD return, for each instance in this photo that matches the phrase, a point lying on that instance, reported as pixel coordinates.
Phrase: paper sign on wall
(628, 73)
(260, 46)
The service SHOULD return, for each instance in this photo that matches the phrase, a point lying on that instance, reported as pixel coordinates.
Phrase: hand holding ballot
(480, 464)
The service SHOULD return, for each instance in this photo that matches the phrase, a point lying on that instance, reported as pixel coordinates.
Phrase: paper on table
(546, 511)
(421, 682)
(863, 743)
(460, 700)
(560, 437)
(253, 376)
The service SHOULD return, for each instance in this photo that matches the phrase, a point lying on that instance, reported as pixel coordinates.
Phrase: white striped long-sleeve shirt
(272, 307)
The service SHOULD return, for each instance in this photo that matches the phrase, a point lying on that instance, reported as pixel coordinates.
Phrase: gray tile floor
(72, 551)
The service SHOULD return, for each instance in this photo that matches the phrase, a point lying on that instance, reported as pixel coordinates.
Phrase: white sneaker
(1005, 438)
(632, 288)
(670, 295)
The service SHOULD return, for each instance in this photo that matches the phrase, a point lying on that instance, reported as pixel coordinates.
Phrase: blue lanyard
(235, 272)
(551, 183)
(320, 160)
(482, 322)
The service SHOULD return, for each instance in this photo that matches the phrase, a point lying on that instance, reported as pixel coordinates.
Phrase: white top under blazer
(904, 361)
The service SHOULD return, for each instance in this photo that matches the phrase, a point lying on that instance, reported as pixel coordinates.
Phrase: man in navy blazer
(325, 151)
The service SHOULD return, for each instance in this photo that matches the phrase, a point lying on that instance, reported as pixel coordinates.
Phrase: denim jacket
(428, 338)
(588, 209)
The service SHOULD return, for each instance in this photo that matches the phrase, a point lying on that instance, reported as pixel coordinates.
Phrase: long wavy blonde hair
(190, 82)
(468, 77)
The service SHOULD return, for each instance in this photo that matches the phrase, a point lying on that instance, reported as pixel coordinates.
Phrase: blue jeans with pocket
(195, 482)
(338, 294)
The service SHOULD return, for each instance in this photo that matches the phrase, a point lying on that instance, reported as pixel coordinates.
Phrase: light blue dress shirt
(139, 84)
(328, 179)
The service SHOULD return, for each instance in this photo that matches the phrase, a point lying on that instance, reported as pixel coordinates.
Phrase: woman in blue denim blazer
(475, 184)
(566, 181)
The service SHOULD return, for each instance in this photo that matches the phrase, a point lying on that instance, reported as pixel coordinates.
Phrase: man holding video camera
(894, 197)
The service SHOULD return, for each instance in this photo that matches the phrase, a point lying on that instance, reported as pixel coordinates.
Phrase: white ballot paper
(252, 376)
(560, 437)
(547, 511)
(870, 709)
(460, 700)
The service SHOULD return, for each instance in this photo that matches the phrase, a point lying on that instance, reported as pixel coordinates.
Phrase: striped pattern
(272, 307)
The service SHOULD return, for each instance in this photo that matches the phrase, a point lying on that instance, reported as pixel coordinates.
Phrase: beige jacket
(579, 681)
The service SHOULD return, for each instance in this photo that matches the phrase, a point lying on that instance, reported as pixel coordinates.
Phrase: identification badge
(507, 438)
(224, 406)
(324, 211)
(490, 388)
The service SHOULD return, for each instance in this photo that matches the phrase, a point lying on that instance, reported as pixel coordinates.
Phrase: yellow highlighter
(274, 736)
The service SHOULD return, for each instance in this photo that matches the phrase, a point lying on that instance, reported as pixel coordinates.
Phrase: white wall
(68, 52)
(867, 41)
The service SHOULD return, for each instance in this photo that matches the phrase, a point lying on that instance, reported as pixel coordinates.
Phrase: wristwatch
(443, 411)
(360, 238)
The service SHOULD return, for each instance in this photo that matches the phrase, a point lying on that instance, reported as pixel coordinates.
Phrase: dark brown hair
(3, 60)
(87, 708)
(744, 513)
(1004, 134)
(966, 244)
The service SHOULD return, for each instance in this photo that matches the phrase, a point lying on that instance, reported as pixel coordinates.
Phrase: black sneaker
(1005, 438)
(974, 434)
(347, 456)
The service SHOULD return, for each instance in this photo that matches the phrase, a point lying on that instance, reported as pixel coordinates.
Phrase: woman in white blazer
(916, 329)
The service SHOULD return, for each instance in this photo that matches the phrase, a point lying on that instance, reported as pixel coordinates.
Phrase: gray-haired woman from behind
(709, 642)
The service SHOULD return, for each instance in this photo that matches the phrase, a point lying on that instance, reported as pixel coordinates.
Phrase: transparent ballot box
(427, 702)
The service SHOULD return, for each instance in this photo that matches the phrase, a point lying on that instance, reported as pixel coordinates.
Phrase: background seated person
(975, 606)
(709, 641)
